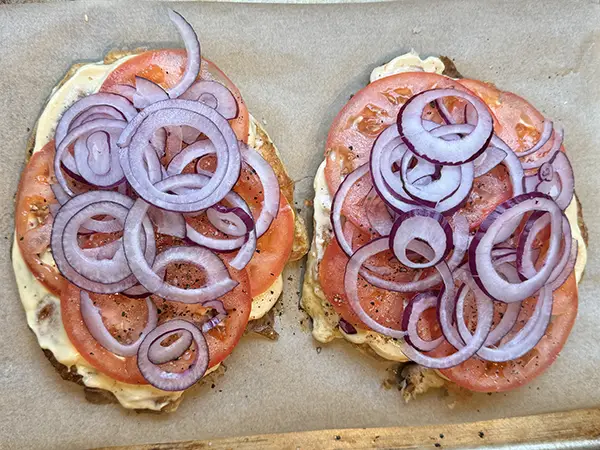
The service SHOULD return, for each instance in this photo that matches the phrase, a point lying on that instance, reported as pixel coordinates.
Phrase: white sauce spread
(50, 332)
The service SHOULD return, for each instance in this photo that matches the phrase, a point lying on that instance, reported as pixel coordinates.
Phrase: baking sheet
(296, 66)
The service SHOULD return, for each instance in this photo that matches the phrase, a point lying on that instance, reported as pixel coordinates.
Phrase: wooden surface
(579, 428)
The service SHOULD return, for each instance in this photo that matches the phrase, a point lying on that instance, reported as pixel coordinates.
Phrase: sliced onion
(556, 145)
(446, 306)
(437, 150)
(510, 316)
(64, 242)
(216, 320)
(192, 48)
(347, 327)
(97, 159)
(461, 242)
(124, 90)
(270, 184)
(168, 222)
(561, 186)
(424, 225)
(171, 381)
(232, 221)
(488, 160)
(147, 92)
(377, 214)
(92, 317)
(107, 125)
(413, 311)
(480, 257)
(181, 112)
(218, 281)
(526, 258)
(525, 339)
(115, 101)
(190, 153)
(97, 112)
(544, 137)
(215, 95)
(159, 354)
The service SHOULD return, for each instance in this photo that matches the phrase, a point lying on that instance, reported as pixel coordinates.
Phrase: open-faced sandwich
(153, 222)
(447, 233)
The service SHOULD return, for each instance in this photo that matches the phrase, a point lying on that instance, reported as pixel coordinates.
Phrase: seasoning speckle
(481, 434)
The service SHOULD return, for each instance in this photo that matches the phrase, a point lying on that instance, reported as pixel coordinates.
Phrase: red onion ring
(425, 225)
(215, 95)
(558, 181)
(124, 90)
(159, 354)
(192, 49)
(413, 311)
(167, 222)
(218, 280)
(181, 112)
(115, 101)
(446, 306)
(380, 221)
(437, 150)
(147, 92)
(556, 145)
(525, 255)
(97, 159)
(105, 271)
(487, 161)
(232, 221)
(171, 381)
(548, 126)
(92, 317)
(62, 239)
(108, 125)
(480, 258)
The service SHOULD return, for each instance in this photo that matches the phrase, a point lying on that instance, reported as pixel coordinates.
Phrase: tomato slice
(386, 307)
(166, 67)
(483, 376)
(33, 221)
(126, 317)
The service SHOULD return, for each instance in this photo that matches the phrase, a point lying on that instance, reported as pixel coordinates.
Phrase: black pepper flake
(319, 350)
(337, 437)
(441, 435)
(437, 444)
(212, 386)
(481, 434)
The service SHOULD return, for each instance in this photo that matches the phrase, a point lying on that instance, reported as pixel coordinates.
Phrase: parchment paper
(296, 66)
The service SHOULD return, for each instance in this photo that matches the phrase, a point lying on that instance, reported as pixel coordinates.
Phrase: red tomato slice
(166, 67)
(386, 307)
(518, 122)
(33, 221)
(483, 376)
(125, 318)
